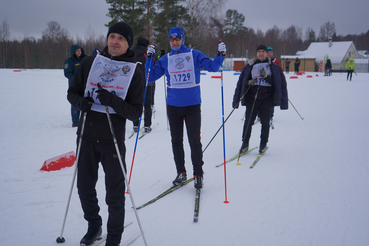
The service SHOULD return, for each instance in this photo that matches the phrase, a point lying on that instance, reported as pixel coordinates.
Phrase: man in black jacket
(140, 53)
(265, 85)
(123, 90)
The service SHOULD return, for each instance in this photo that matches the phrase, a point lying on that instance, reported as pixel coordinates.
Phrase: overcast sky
(30, 17)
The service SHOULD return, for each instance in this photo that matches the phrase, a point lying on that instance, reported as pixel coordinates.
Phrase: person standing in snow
(140, 52)
(297, 65)
(288, 65)
(350, 66)
(328, 67)
(182, 68)
(266, 85)
(70, 68)
(122, 91)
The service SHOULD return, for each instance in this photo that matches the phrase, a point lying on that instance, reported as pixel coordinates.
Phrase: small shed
(307, 63)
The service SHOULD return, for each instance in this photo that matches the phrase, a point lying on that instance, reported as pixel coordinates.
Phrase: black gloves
(104, 96)
(86, 104)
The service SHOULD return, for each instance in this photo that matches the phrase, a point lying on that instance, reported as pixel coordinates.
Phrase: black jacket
(97, 125)
(279, 85)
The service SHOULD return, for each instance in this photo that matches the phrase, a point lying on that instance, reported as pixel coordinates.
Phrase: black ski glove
(86, 104)
(104, 96)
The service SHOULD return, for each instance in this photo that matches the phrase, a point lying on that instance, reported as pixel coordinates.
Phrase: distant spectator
(328, 67)
(350, 66)
(70, 69)
(297, 65)
(288, 65)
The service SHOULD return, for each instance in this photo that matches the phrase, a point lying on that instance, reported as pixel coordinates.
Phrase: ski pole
(248, 123)
(61, 239)
(123, 170)
(139, 123)
(166, 107)
(224, 153)
(295, 109)
(221, 126)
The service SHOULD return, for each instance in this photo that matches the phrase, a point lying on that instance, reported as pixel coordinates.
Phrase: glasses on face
(174, 39)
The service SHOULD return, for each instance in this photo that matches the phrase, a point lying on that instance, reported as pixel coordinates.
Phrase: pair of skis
(239, 155)
(173, 188)
(103, 239)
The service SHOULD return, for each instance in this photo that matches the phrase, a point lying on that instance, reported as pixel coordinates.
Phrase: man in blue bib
(182, 68)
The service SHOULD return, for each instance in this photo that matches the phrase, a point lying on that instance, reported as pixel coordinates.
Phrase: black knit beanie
(123, 29)
(262, 47)
(142, 42)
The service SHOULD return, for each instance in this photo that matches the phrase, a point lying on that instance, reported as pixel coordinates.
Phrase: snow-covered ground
(311, 188)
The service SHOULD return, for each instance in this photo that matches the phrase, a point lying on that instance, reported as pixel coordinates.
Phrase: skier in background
(350, 66)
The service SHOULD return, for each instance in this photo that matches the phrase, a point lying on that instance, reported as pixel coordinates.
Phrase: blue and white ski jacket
(176, 96)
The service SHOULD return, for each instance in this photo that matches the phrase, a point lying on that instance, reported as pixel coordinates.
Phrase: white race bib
(114, 76)
(181, 70)
(256, 69)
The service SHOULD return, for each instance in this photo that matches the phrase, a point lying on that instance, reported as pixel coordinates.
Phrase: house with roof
(338, 52)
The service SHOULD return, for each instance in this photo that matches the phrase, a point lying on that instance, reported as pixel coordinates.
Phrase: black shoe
(93, 233)
(181, 177)
(74, 125)
(148, 129)
(262, 148)
(135, 128)
(198, 182)
(111, 244)
(244, 147)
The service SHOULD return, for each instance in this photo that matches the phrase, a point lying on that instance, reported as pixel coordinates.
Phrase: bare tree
(327, 30)
(4, 43)
(201, 13)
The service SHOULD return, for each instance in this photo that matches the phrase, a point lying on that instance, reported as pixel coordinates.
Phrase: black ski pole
(248, 123)
(61, 239)
(295, 109)
(224, 121)
(123, 170)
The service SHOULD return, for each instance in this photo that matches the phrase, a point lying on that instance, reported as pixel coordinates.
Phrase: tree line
(203, 27)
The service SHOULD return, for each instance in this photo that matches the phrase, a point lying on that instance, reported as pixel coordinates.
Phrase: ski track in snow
(310, 188)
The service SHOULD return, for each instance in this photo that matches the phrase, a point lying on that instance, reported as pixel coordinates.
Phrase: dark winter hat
(270, 48)
(142, 42)
(123, 29)
(262, 47)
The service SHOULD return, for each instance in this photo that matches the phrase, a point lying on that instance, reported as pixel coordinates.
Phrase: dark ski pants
(192, 116)
(349, 73)
(90, 155)
(149, 102)
(264, 107)
(75, 116)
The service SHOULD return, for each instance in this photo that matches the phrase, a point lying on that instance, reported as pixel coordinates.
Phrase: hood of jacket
(73, 49)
